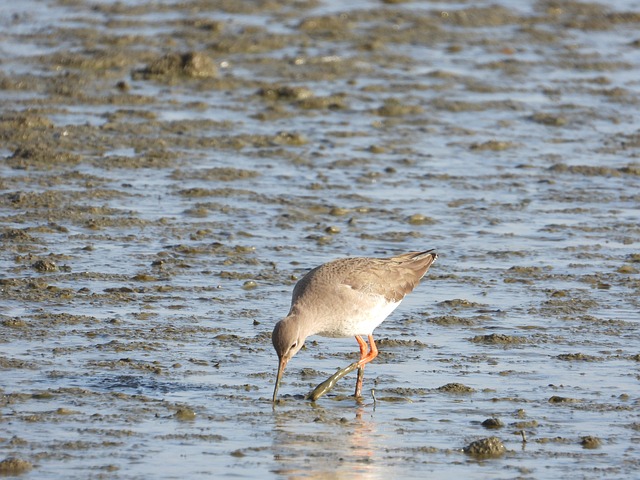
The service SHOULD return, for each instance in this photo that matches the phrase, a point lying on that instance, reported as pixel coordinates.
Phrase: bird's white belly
(361, 317)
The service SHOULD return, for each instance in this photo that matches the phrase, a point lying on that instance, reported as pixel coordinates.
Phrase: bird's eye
(295, 344)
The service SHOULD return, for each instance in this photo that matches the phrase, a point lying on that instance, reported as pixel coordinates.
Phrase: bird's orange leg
(373, 351)
(365, 357)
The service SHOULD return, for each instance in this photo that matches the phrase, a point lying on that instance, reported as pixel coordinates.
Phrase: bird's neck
(305, 323)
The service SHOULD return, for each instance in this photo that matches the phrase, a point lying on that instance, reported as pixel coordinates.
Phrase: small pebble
(419, 219)
(45, 266)
(14, 466)
(486, 448)
(590, 442)
(185, 414)
(492, 423)
(338, 212)
(249, 285)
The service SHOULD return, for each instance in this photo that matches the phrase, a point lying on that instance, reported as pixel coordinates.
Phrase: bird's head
(287, 339)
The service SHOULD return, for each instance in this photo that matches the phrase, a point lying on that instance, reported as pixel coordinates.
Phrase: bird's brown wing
(392, 278)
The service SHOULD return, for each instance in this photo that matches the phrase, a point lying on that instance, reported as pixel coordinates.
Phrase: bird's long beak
(281, 365)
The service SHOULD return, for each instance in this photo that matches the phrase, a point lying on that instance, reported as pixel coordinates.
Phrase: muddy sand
(168, 170)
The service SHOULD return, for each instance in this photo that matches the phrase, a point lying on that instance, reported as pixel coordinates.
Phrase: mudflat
(168, 170)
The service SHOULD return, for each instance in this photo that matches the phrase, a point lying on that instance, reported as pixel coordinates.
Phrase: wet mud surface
(168, 170)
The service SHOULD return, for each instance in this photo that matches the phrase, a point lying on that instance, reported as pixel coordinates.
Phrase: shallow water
(140, 197)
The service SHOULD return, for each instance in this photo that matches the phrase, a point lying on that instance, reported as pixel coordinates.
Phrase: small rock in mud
(285, 92)
(45, 266)
(41, 157)
(143, 277)
(13, 322)
(310, 373)
(65, 411)
(449, 320)
(592, 171)
(558, 399)
(492, 423)
(455, 388)
(14, 466)
(549, 119)
(525, 424)
(17, 235)
(190, 64)
(492, 145)
(558, 293)
(460, 303)
(289, 138)
(490, 447)
(338, 211)
(627, 270)
(185, 414)
(394, 342)
(394, 108)
(580, 357)
(497, 338)
(249, 285)
(419, 219)
(590, 442)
